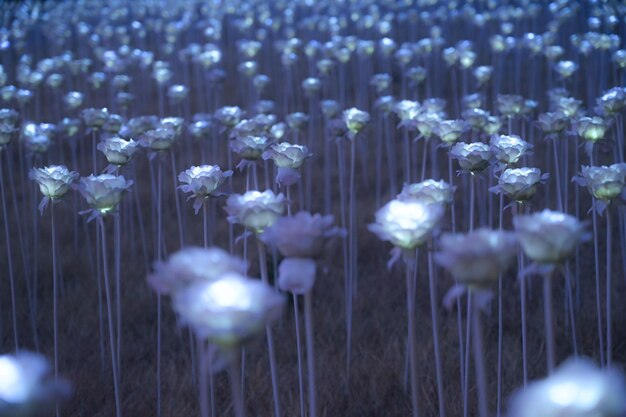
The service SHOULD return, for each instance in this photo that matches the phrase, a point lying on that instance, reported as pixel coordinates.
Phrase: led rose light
(103, 192)
(54, 180)
(519, 184)
(355, 120)
(255, 210)
(203, 182)
(27, 387)
(118, 151)
(429, 191)
(576, 388)
(508, 149)
(473, 157)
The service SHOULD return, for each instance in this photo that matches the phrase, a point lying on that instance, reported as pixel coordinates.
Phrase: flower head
(548, 237)
(302, 235)
(191, 265)
(254, 209)
(355, 120)
(27, 385)
(429, 191)
(229, 310)
(287, 155)
(203, 182)
(159, 139)
(296, 275)
(95, 118)
(54, 180)
(473, 157)
(509, 149)
(407, 223)
(103, 192)
(576, 388)
(604, 182)
(519, 184)
(592, 129)
(449, 131)
(118, 151)
(476, 259)
(250, 147)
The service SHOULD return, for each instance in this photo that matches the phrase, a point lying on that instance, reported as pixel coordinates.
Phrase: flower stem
(310, 353)
(549, 326)
(202, 378)
(435, 324)
(235, 388)
(118, 290)
(159, 247)
(596, 250)
(107, 291)
(55, 297)
(299, 349)
(409, 258)
(9, 258)
(479, 359)
(609, 248)
(268, 331)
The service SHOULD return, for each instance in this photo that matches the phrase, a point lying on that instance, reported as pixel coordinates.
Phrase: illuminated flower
(604, 182)
(158, 139)
(429, 191)
(577, 388)
(193, 264)
(302, 235)
(254, 209)
(287, 155)
(406, 223)
(203, 182)
(28, 386)
(227, 311)
(509, 149)
(54, 180)
(117, 150)
(296, 275)
(95, 118)
(592, 129)
(552, 123)
(228, 116)
(449, 131)
(476, 259)
(509, 105)
(548, 237)
(473, 157)
(103, 192)
(355, 120)
(519, 184)
(250, 147)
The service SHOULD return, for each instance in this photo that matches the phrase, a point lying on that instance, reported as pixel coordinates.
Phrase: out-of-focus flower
(548, 237)
(566, 68)
(482, 74)
(54, 181)
(449, 131)
(203, 182)
(576, 388)
(473, 157)
(604, 182)
(297, 120)
(330, 108)
(508, 149)
(228, 116)
(159, 139)
(255, 210)
(28, 386)
(476, 259)
(509, 105)
(177, 93)
(228, 311)
(612, 101)
(302, 235)
(519, 184)
(73, 99)
(552, 123)
(95, 118)
(407, 223)
(380, 82)
(117, 150)
(193, 264)
(103, 192)
(355, 120)
(296, 275)
(429, 191)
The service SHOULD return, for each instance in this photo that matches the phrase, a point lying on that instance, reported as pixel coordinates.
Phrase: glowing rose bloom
(569, 106)
(385, 104)
(355, 120)
(203, 182)
(407, 223)
(297, 120)
(482, 74)
(296, 275)
(577, 388)
(509, 105)
(28, 386)
(117, 150)
(476, 259)
(407, 111)
(552, 123)
(519, 184)
(492, 125)
(330, 108)
(380, 82)
(302, 235)
(509, 149)
(177, 93)
(473, 157)
(54, 181)
(103, 192)
(604, 182)
(416, 75)
(287, 155)
(193, 264)
(37, 143)
(73, 99)
(95, 118)
(613, 101)
(311, 86)
(449, 131)
(475, 117)
(250, 147)
(566, 68)
(255, 210)
(426, 123)
(549, 237)
(228, 311)
(592, 129)
(159, 139)
(228, 116)
(429, 191)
